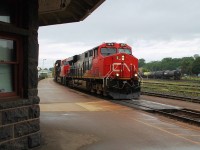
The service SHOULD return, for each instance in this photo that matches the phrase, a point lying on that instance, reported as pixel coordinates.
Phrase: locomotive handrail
(108, 74)
(140, 77)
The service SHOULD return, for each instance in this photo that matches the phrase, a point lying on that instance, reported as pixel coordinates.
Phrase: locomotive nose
(123, 57)
(119, 57)
(123, 66)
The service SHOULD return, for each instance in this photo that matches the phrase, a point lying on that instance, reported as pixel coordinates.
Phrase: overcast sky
(155, 29)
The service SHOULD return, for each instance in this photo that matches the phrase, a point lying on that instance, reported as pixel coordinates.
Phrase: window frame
(108, 48)
(17, 67)
(12, 6)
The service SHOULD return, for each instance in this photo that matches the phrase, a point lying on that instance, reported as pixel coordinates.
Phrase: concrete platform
(72, 120)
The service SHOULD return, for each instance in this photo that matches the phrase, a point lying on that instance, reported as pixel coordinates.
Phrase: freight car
(167, 74)
(174, 74)
(109, 69)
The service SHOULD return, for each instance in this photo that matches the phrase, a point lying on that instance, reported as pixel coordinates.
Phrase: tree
(186, 65)
(153, 66)
(166, 64)
(196, 66)
(196, 56)
(141, 62)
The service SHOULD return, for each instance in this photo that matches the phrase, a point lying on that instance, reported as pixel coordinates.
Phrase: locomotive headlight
(117, 74)
(135, 74)
(123, 57)
(122, 44)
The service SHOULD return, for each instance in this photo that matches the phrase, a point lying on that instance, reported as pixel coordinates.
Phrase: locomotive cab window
(108, 51)
(123, 50)
(95, 52)
(9, 67)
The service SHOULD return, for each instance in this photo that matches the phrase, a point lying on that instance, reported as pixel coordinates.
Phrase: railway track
(174, 90)
(183, 98)
(181, 114)
(185, 115)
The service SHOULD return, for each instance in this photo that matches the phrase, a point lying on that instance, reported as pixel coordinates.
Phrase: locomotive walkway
(71, 120)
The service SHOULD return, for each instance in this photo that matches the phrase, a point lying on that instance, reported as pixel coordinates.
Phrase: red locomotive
(108, 69)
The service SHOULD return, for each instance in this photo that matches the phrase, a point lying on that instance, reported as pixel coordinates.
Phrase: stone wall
(19, 118)
(19, 124)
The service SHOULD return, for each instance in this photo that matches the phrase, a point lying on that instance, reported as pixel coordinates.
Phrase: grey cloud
(157, 19)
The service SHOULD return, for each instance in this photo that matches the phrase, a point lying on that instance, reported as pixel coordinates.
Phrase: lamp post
(43, 64)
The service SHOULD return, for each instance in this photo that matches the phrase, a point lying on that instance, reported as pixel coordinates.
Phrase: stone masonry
(19, 118)
(19, 125)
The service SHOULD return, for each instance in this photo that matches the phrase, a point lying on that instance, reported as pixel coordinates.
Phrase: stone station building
(19, 101)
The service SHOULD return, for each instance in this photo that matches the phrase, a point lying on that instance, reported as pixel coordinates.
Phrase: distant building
(44, 73)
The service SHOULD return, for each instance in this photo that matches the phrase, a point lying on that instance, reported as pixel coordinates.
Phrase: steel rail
(184, 115)
(183, 98)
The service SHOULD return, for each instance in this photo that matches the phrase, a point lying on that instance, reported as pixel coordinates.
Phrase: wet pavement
(71, 120)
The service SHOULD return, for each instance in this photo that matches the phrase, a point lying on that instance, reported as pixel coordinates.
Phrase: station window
(9, 67)
(5, 12)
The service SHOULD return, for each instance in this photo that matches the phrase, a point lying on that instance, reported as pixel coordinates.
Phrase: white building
(44, 73)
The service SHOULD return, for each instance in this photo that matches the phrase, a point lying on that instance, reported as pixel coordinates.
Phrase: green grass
(172, 87)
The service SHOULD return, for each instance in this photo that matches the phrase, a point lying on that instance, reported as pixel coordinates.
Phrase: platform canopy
(65, 11)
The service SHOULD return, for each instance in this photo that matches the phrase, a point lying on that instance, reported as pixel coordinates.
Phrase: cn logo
(116, 67)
